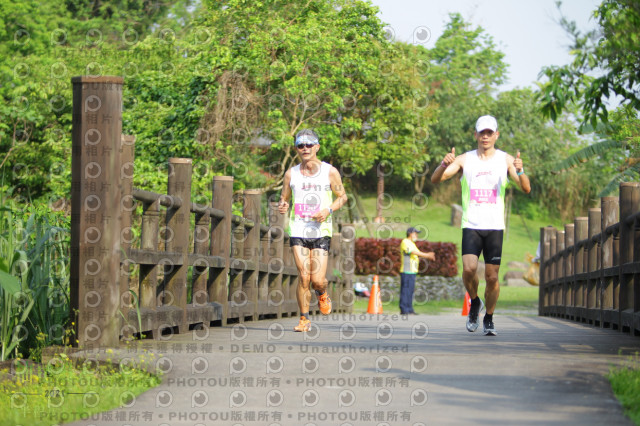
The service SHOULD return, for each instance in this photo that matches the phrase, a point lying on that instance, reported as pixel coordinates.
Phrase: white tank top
(310, 194)
(483, 190)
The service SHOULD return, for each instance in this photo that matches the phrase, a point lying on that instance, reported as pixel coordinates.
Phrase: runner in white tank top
(312, 184)
(484, 180)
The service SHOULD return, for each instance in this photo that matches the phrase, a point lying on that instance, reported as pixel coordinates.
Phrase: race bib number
(305, 210)
(482, 196)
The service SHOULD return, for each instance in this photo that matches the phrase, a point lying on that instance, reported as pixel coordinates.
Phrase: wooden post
(581, 232)
(263, 277)
(201, 244)
(251, 211)
(127, 206)
(95, 210)
(629, 286)
(545, 267)
(237, 297)
(569, 239)
(221, 243)
(553, 270)
(149, 290)
(560, 280)
(276, 296)
(609, 207)
(595, 224)
(177, 240)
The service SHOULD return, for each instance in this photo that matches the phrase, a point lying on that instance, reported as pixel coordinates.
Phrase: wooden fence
(590, 271)
(160, 274)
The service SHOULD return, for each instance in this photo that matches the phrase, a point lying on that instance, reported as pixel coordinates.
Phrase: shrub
(382, 257)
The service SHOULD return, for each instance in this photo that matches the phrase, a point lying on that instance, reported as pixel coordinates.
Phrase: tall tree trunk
(380, 171)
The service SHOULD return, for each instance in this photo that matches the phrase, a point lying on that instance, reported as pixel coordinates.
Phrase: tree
(281, 66)
(606, 63)
(466, 70)
(44, 44)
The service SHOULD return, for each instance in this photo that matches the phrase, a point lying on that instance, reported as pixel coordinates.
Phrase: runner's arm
(285, 195)
(449, 167)
(514, 165)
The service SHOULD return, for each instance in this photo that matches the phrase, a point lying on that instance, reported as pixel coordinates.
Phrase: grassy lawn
(520, 238)
(625, 382)
(60, 393)
(513, 300)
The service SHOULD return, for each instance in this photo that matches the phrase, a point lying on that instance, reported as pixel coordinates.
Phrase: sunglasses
(305, 145)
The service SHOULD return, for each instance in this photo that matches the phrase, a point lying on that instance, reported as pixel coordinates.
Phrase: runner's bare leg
(302, 258)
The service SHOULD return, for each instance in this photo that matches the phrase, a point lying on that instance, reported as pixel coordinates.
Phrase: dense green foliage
(605, 66)
(229, 83)
(606, 63)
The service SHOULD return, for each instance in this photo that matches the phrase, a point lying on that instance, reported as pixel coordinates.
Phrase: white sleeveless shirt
(483, 191)
(310, 194)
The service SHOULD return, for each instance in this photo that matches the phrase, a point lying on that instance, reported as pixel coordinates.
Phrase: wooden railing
(590, 271)
(180, 264)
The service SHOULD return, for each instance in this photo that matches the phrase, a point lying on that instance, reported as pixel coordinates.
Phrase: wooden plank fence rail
(590, 271)
(178, 265)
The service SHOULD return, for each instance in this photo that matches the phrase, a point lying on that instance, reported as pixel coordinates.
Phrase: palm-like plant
(620, 143)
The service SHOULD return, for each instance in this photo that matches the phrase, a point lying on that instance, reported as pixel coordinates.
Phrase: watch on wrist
(330, 210)
(521, 172)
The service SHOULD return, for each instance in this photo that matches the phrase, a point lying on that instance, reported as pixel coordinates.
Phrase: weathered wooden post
(127, 206)
(237, 296)
(201, 244)
(95, 210)
(221, 243)
(177, 240)
(251, 211)
(569, 240)
(545, 268)
(560, 280)
(609, 207)
(276, 296)
(581, 232)
(595, 220)
(148, 293)
(263, 278)
(629, 284)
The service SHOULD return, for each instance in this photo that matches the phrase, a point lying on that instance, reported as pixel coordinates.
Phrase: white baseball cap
(486, 122)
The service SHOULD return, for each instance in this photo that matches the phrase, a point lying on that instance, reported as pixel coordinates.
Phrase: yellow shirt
(408, 259)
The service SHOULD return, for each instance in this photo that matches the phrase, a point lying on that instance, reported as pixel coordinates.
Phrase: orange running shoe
(303, 325)
(324, 303)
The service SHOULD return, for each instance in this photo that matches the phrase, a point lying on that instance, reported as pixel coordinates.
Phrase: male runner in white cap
(485, 171)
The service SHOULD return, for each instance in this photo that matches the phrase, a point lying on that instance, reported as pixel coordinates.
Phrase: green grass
(625, 382)
(62, 393)
(523, 299)
(521, 237)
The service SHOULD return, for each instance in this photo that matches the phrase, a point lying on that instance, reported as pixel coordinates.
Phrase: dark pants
(407, 284)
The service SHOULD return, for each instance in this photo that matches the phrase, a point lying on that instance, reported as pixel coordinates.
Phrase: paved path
(379, 370)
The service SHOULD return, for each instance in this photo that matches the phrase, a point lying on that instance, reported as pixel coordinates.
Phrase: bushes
(382, 256)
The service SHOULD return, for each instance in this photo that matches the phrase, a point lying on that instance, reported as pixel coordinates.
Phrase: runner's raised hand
(449, 158)
(517, 163)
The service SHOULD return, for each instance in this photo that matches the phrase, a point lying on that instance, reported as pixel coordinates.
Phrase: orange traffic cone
(375, 303)
(466, 305)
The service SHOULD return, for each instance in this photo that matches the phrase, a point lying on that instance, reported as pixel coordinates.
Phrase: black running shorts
(486, 241)
(312, 243)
